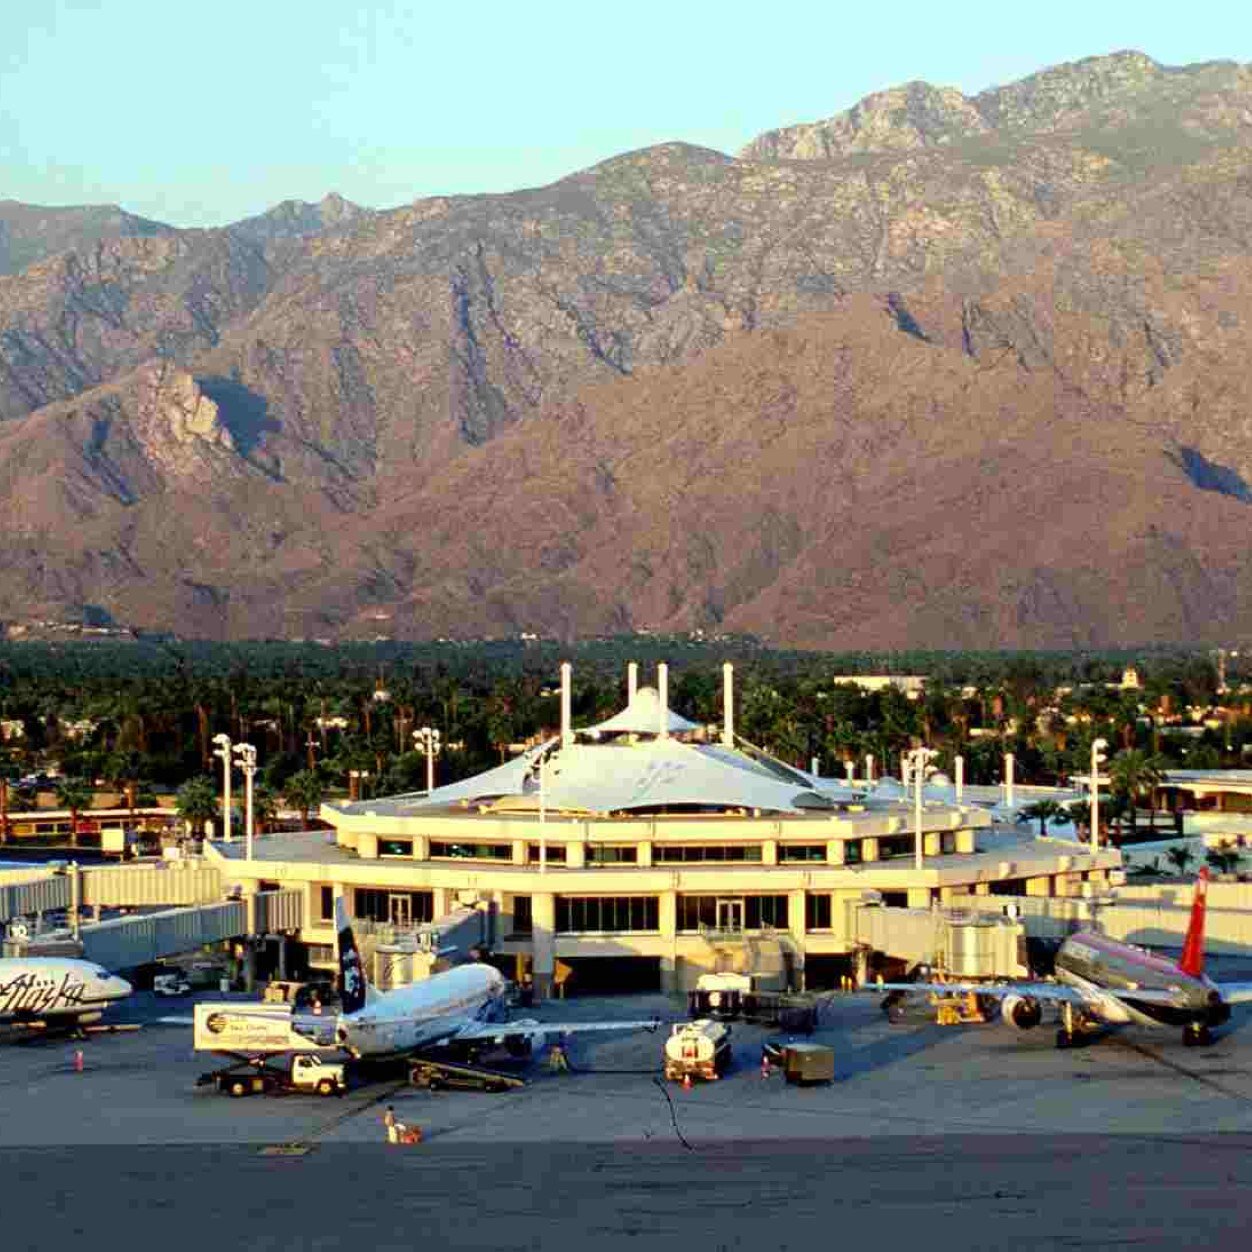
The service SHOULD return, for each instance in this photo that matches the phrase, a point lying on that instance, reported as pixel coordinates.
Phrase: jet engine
(1021, 1011)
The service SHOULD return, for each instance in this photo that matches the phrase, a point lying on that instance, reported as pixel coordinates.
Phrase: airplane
(456, 1009)
(54, 991)
(1102, 983)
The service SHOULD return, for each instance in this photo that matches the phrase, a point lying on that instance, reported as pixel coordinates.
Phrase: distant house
(913, 685)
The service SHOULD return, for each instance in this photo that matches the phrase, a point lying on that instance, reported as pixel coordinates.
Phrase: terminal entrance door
(730, 914)
(400, 909)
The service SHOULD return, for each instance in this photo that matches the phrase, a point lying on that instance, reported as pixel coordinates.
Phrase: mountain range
(939, 371)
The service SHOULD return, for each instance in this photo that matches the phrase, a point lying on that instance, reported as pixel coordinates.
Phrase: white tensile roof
(625, 764)
(642, 716)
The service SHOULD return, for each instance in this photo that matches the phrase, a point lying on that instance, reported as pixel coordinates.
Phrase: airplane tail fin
(352, 991)
(1192, 961)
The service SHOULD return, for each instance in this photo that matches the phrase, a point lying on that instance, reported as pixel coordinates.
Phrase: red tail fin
(1193, 946)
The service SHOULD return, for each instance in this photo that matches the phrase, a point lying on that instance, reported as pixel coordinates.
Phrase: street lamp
(356, 779)
(1098, 757)
(222, 752)
(920, 761)
(427, 740)
(245, 753)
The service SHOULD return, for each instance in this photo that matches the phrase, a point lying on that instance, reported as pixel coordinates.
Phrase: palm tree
(1180, 856)
(1224, 858)
(1044, 811)
(74, 794)
(197, 803)
(264, 807)
(1135, 774)
(305, 791)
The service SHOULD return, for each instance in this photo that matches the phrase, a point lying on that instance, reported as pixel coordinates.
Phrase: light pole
(246, 755)
(921, 766)
(356, 783)
(543, 818)
(427, 740)
(222, 752)
(1098, 757)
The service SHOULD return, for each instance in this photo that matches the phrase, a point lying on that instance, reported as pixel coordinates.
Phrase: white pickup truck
(303, 1072)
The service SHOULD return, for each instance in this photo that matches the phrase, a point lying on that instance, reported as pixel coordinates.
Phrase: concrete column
(965, 841)
(667, 920)
(645, 854)
(576, 854)
(1041, 886)
(919, 897)
(834, 851)
(982, 889)
(543, 942)
(931, 843)
(367, 847)
(869, 849)
(796, 927)
(421, 848)
(282, 957)
(769, 852)
(520, 848)
(439, 897)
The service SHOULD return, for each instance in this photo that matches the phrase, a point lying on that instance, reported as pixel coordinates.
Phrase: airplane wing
(1235, 992)
(1053, 992)
(532, 1029)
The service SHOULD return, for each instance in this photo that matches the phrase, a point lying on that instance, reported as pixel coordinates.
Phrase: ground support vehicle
(699, 1049)
(801, 1062)
(174, 983)
(262, 1076)
(436, 1075)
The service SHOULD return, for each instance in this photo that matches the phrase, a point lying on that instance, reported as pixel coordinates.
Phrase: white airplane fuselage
(422, 1014)
(54, 989)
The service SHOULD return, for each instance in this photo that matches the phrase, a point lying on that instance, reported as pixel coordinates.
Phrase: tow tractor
(257, 1075)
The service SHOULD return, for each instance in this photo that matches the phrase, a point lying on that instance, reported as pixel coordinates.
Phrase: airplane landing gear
(1197, 1036)
(1070, 1033)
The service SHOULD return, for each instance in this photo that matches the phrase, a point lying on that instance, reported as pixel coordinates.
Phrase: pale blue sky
(199, 114)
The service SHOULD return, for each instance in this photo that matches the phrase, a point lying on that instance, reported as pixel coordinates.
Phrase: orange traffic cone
(78, 1060)
(686, 1082)
(765, 1067)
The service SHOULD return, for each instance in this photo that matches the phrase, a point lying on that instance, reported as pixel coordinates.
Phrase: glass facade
(817, 911)
(553, 854)
(685, 853)
(395, 847)
(801, 852)
(580, 914)
(381, 904)
(471, 851)
(757, 911)
(612, 854)
(522, 920)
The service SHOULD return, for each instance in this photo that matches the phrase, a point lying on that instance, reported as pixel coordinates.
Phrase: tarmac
(965, 1136)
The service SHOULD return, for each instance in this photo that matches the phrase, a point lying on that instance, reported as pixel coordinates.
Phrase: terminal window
(578, 914)
(801, 852)
(816, 911)
(523, 923)
(696, 912)
(381, 904)
(663, 853)
(326, 901)
(612, 854)
(471, 851)
(395, 847)
(553, 854)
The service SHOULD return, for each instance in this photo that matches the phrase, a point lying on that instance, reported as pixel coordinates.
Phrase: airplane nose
(119, 988)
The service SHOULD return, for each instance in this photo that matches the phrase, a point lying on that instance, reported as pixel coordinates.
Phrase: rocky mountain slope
(938, 371)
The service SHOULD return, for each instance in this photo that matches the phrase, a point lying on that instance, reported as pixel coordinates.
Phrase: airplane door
(400, 909)
(730, 915)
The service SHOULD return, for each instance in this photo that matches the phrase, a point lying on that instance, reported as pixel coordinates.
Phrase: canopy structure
(643, 716)
(625, 764)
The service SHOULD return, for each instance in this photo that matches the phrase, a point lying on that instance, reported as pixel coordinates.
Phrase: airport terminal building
(644, 851)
